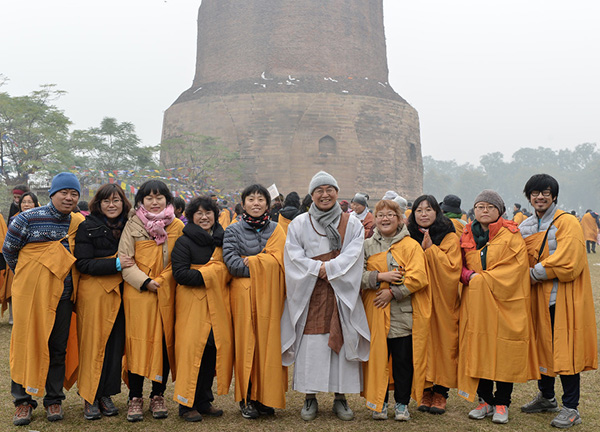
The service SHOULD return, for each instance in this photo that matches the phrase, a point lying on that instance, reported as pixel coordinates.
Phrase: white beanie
(322, 178)
(401, 202)
(390, 195)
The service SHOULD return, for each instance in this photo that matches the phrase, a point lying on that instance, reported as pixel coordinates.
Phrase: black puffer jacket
(195, 246)
(94, 242)
(243, 240)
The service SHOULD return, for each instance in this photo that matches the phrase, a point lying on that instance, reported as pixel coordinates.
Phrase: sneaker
(482, 411)
(500, 414)
(212, 412)
(342, 410)
(382, 415)
(310, 409)
(107, 407)
(540, 404)
(402, 413)
(158, 407)
(248, 410)
(426, 401)
(263, 409)
(566, 418)
(54, 412)
(23, 413)
(191, 416)
(134, 412)
(438, 405)
(91, 411)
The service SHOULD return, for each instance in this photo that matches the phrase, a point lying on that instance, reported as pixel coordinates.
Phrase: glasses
(321, 191)
(202, 215)
(108, 202)
(482, 207)
(547, 193)
(388, 216)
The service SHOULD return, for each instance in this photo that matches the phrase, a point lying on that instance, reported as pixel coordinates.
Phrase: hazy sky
(484, 75)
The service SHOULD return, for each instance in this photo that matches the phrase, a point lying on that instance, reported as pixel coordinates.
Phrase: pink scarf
(155, 223)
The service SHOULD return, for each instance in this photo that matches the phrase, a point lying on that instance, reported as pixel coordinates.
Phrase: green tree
(112, 146)
(35, 133)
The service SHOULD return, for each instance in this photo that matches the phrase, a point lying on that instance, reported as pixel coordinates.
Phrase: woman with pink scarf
(148, 296)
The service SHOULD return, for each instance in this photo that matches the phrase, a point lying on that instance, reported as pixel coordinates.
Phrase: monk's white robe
(317, 367)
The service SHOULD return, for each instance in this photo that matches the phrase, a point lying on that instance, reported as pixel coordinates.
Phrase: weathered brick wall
(278, 137)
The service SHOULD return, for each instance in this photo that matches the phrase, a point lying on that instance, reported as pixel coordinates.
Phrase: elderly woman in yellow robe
(398, 307)
(203, 329)
(148, 296)
(436, 235)
(496, 337)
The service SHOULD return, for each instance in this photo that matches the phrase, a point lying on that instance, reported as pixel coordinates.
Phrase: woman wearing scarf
(100, 316)
(398, 306)
(496, 337)
(360, 209)
(436, 235)
(202, 312)
(148, 296)
(253, 253)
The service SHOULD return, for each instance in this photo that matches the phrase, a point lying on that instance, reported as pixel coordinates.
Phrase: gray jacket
(242, 240)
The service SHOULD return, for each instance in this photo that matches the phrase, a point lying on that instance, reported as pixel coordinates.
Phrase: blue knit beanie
(64, 180)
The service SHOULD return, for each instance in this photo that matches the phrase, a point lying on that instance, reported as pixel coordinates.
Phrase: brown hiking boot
(158, 407)
(22, 415)
(135, 413)
(426, 401)
(438, 405)
(54, 412)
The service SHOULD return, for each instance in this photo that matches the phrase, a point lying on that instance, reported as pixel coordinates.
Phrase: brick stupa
(296, 87)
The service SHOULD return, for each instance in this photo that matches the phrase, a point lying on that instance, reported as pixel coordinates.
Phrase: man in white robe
(324, 329)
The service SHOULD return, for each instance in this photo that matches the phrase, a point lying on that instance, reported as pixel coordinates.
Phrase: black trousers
(485, 391)
(592, 244)
(110, 378)
(402, 367)
(206, 375)
(571, 383)
(136, 382)
(57, 346)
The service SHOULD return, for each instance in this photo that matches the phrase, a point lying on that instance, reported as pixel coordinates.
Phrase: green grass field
(455, 418)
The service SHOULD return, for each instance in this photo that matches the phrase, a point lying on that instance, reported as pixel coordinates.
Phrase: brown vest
(323, 316)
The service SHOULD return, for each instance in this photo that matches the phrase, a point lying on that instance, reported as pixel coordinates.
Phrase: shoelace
(501, 409)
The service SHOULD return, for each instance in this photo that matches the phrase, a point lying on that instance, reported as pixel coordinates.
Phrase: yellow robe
(151, 316)
(590, 228)
(573, 348)
(377, 371)
(225, 218)
(496, 337)
(444, 265)
(283, 222)
(458, 226)
(38, 285)
(98, 303)
(197, 311)
(256, 308)
(5, 284)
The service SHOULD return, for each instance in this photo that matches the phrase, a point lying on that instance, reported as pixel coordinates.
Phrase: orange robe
(151, 316)
(225, 218)
(444, 265)
(458, 226)
(518, 218)
(496, 337)
(573, 346)
(38, 285)
(256, 308)
(198, 310)
(98, 303)
(5, 284)
(283, 222)
(590, 227)
(376, 371)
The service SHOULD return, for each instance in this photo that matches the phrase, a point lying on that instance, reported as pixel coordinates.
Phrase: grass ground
(289, 420)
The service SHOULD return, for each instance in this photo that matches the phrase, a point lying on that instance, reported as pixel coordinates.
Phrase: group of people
(418, 304)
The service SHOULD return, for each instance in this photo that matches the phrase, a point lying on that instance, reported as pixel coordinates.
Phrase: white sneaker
(500, 414)
(383, 415)
(482, 411)
(402, 413)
